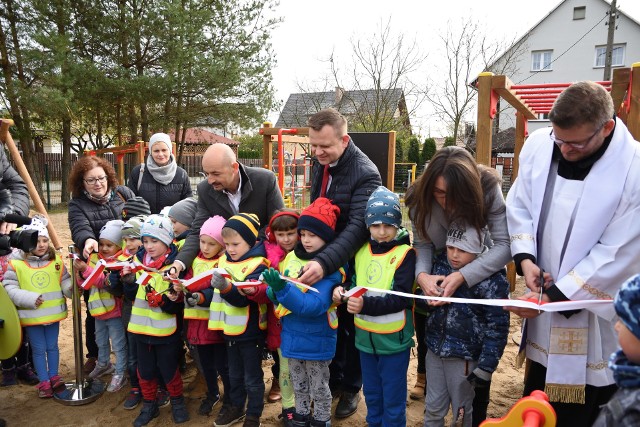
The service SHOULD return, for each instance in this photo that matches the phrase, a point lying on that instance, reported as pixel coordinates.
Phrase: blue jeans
(112, 329)
(44, 345)
(245, 375)
(384, 383)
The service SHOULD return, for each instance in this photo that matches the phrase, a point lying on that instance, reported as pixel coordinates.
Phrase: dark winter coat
(86, 217)
(353, 180)
(260, 196)
(158, 195)
(11, 181)
(470, 331)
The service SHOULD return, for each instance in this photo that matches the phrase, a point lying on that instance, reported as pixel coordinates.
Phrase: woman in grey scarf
(160, 181)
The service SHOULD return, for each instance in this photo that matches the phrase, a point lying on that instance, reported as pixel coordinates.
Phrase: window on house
(579, 12)
(617, 55)
(543, 116)
(541, 60)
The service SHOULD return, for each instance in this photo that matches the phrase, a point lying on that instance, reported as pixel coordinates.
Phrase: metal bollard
(81, 391)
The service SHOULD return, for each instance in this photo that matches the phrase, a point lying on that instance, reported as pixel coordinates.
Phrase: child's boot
(9, 377)
(251, 421)
(300, 420)
(57, 383)
(26, 374)
(179, 410)
(149, 411)
(274, 394)
(287, 416)
(316, 423)
(418, 390)
(44, 390)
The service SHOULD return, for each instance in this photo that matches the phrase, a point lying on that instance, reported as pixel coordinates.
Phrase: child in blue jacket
(309, 320)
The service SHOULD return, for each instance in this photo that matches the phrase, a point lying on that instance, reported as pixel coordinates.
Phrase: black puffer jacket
(12, 182)
(158, 195)
(353, 180)
(86, 217)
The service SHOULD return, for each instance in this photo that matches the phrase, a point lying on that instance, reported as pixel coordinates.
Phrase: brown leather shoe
(274, 394)
(89, 365)
(418, 390)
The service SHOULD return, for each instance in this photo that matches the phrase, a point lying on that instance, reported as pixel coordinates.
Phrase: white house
(568, 45)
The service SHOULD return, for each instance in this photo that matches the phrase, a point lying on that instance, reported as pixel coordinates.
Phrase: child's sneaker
(133, 399)
(101, 370)
(162, 398)
(89, 365)
(117, 382)
(228, 417)
(26, 374)
(251, 421)
(57, 384)
(44, 390)
(207, 404)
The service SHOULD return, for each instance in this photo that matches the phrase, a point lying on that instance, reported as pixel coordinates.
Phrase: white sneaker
(117, 382)
(101, 370)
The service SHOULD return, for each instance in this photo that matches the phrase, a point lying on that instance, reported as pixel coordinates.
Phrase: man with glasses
(573, 220)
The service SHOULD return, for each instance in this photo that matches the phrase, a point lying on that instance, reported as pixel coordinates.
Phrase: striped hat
(246, 225)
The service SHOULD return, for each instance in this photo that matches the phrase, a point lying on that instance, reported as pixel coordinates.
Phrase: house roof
(503, 142)
(517, 42)
(201, 136)
(300, 106)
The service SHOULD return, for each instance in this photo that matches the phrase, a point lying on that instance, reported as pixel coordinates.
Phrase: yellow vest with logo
(100, 300)
(377, 271)
(294, 265)
(226, 317)
(45, 281)
(199, 266)
(179, 243)
(147, 320)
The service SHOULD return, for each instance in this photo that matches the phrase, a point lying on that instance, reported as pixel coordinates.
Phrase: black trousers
(570, 414)
(344, 370)
(421, 346)
(90, 330)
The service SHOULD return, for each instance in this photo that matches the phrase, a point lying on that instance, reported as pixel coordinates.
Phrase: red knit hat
(320, 218)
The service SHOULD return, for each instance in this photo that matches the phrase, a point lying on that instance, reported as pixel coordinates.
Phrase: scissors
(541, 284)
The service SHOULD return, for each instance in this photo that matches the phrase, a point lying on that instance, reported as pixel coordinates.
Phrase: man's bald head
(221, 168)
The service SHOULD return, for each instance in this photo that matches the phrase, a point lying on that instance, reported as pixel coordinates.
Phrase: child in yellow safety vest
(241, 318)
(282, 236)
(156, 320)
(37, 283)
(309, 319)
(384, 322)
(105, 306)
(207, 345)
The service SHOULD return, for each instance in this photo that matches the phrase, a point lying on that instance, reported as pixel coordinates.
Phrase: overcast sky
(312, 30)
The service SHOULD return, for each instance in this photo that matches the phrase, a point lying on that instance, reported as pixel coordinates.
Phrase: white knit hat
(159, 137)
(38, 223)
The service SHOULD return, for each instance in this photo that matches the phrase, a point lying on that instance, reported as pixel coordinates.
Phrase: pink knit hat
(213, 228)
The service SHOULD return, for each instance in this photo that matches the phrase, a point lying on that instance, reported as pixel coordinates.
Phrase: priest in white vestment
(574, 212)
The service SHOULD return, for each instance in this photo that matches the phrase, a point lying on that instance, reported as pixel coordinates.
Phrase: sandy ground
(20, 406)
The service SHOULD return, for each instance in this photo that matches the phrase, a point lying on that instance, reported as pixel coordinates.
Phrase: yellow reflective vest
(45, 281)
(100, 300)
(226, 317)
(147, 320)
(377, 271)
(293, 265)
(199, 266)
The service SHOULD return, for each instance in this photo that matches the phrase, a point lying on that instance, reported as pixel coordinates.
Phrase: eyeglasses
(575, 144)
(94, 181)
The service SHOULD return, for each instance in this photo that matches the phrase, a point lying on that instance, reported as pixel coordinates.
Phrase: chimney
(339, 94)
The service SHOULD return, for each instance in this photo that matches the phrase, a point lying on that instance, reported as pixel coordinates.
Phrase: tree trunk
(66, 158)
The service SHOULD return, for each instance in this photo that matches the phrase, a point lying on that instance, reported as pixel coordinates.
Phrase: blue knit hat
(383, 207)
(158, 227)
(627, 304)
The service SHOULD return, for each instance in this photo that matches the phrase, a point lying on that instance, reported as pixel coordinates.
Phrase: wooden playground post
(633, 119)
(6, 137)
(521, 122)
(267, 157)
(485, 119)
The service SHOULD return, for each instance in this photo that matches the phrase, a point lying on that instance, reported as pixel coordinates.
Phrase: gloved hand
(193, 299)
(154, 299)
(479, 378)
(218, 281)
(272, 278)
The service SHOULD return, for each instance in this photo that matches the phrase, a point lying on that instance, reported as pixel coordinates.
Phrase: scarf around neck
(99, 200)
(625, 373)
(162, 174)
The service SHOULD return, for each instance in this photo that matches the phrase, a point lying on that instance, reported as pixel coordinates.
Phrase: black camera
(26, 240)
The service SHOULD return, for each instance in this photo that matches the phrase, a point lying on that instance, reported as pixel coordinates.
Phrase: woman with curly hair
(96, 199)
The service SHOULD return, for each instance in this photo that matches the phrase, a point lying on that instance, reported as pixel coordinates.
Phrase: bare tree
(467, 51)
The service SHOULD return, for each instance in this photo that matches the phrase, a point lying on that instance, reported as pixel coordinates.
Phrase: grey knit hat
(184, 211)
(112, 231)
(135, 206)
(158, 227)
(466, 238)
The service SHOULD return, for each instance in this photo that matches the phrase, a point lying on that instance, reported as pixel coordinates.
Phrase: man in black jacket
(346, 176)
(230, 188)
